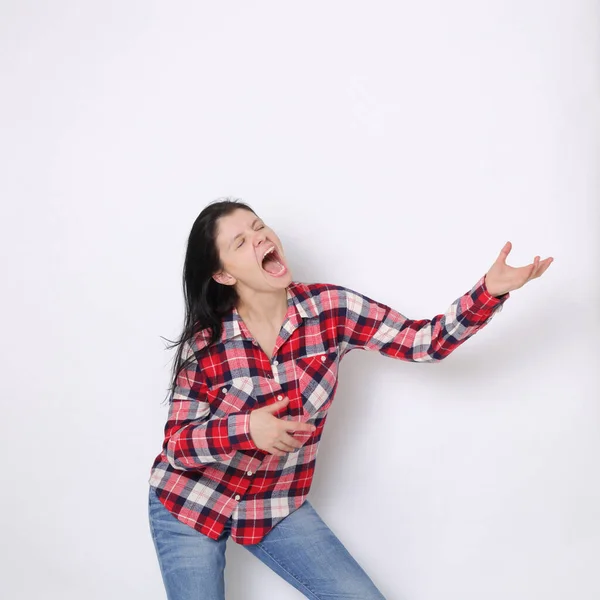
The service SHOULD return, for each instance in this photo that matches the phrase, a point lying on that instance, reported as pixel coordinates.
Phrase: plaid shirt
(209, 468)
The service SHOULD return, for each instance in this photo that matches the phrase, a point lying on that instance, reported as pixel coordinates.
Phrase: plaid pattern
(209, 468)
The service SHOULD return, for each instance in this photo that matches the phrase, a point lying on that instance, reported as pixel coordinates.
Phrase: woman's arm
(371, 325)
(192, 439)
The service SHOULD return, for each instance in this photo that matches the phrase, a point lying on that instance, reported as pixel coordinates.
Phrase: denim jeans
(300, 548)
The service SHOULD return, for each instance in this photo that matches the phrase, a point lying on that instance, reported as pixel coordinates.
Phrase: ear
(224, 278)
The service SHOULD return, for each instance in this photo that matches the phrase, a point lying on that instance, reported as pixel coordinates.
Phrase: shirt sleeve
(194, 439)
(371, 325)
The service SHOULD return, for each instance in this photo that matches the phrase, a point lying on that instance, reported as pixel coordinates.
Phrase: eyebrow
(241, 234)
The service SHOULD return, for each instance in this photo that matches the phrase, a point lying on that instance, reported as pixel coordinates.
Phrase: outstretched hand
(502, 278)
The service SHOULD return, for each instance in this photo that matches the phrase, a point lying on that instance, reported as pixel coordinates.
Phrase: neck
(263, 308)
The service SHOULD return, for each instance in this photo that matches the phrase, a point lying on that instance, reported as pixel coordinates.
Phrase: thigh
(192, 565)
(305, 552)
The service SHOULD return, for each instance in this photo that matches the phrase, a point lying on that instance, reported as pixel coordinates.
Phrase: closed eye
(244, 239)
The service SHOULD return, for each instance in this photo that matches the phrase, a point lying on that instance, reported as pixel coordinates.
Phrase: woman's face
(242, 240)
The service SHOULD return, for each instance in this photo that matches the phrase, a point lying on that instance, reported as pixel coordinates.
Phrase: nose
(260, 238)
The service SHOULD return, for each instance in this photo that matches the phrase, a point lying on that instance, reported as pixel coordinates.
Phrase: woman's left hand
(502, 278)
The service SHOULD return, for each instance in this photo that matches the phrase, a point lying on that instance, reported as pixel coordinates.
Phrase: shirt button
(237, 497)
(249, 472)
(280, 397)
(275, 362)
(323, 357)
(224, 390)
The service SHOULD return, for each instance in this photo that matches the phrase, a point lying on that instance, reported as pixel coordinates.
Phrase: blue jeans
(300, 548)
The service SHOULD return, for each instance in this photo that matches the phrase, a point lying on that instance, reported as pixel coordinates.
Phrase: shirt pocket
(316, 375)
(232, 395)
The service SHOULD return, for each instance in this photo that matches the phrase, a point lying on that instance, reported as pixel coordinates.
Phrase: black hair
(206, 301)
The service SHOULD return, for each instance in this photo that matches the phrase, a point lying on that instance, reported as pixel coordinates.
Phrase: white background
(394, 148)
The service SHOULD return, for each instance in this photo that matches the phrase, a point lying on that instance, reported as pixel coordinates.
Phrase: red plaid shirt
(209, 468)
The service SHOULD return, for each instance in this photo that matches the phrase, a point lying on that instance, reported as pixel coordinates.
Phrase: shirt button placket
(273, 368)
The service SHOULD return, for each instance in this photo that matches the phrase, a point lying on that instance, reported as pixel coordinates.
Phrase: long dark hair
(206, 301)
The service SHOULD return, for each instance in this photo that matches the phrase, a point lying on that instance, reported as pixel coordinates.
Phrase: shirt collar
(298, 295)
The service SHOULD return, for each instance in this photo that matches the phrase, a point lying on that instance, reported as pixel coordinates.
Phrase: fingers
(539, 267)
(278, 452)
(288, 443)
(297, 426)
(543, 266)
(281, 448)
(284, 442)
(534, 267)
(504, 252)
(286, 447)
(275, 406)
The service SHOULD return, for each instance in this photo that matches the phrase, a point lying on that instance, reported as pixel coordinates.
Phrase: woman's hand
(502, 278)
(270, 433)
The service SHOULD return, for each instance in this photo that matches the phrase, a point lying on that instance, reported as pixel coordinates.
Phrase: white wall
(394, 147)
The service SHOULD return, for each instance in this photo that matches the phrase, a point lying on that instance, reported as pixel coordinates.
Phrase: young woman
(254, 376)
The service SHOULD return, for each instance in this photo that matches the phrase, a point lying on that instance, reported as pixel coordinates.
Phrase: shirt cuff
(238, 430)
(483, 301)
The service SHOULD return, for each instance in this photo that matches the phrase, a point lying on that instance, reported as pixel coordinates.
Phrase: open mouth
(273, 264)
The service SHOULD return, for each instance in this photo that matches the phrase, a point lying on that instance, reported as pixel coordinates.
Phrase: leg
(306, 553)
(192, 565)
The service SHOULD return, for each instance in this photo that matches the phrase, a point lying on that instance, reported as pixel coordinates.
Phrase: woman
(254, 376)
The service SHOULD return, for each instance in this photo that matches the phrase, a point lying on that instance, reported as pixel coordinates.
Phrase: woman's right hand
(269, 433)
